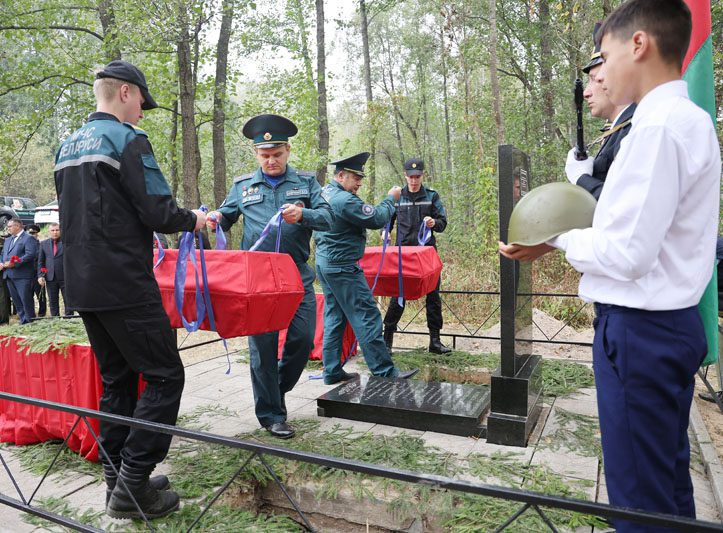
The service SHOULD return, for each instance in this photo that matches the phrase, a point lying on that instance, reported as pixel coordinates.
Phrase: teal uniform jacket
(257, 201)
(347, 297)
(252, 197)
(345, 241)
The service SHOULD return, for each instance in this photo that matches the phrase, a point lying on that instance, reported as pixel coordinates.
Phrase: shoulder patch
(368, 209)
(135, 129)
(243, 177)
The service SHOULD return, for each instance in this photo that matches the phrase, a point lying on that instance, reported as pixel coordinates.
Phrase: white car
(47, 214)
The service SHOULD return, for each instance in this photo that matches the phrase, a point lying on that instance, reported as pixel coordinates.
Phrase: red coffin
(251, 292)
(421, 268)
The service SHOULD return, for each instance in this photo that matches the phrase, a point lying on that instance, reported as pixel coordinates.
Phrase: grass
(63, 508)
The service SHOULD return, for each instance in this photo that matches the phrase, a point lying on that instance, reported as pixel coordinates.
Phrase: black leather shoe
(281, 430)
(345, 376)
(407, 373)
(436, 346)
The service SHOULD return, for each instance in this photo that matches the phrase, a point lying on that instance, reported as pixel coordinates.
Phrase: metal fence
(529, 501)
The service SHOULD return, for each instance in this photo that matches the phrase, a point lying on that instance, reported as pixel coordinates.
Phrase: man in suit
(38, 290)
(50, 269)
(18, 267)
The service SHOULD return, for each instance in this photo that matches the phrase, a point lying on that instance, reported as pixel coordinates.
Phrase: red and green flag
(698, 72)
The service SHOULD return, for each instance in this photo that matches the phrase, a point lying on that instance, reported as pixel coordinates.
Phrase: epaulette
(243, 177)
(306, 173)
(135, 129)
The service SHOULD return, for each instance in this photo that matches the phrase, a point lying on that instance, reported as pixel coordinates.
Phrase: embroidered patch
(368, 209)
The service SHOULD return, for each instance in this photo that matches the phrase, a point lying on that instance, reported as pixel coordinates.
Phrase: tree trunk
(107, 22)
(548, 104)
(174, 150)
(494, 80)
(321, 90)
(445, 98)
(371, 165)
(219, 104)
(191, 158)
(607, 8)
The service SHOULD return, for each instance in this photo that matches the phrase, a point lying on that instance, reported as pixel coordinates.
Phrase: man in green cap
(259, 196)
(347, 296)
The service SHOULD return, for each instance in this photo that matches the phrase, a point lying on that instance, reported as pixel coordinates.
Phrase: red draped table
(72, 379)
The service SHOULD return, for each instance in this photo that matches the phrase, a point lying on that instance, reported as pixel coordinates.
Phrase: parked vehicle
(16, 206)
(47, 214)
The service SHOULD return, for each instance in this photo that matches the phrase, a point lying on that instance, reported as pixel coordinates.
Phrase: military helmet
(548, 211)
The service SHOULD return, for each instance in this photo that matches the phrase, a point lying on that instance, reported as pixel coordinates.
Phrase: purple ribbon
(424, 234)
(186, 249)
(161, 252)
(274, 221)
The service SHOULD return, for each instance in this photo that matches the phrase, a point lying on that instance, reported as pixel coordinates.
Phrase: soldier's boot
(435, 344)
(111, 478)
(389, 337)
(134, 484)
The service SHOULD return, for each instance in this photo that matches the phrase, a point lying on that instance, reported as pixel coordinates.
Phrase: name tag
(296, 193)
(252, 198)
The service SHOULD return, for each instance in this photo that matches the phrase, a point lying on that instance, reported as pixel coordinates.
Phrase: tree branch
(53, 27)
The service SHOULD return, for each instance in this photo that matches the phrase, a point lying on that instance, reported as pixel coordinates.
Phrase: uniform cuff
(559, 242)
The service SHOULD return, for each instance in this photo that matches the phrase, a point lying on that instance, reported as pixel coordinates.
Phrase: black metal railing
(473, 329)
(538, 502)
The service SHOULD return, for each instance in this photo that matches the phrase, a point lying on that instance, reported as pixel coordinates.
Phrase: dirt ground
(544, 326)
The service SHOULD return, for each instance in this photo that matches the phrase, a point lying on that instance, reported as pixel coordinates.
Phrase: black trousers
(128, 342)
(433, 304)
(4, 302)
(54, 290)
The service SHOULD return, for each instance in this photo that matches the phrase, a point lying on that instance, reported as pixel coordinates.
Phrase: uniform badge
(244, 188)
(368, 209)
(244, 193)
(414, 165)
(267, 136)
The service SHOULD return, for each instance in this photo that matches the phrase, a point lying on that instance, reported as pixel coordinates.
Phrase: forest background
(444, 81)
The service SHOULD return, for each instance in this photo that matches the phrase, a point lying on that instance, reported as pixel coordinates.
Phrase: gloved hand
(574, 168)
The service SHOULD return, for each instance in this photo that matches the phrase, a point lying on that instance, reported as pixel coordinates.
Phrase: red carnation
(15, 259)
(43, 270)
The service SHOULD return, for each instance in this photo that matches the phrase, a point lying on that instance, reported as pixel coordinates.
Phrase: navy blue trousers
(21, 291)
(645, 364)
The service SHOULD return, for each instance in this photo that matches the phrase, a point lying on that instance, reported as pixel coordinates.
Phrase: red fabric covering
(251, 292)
(347, 342)
(73, 380)
(421, 268)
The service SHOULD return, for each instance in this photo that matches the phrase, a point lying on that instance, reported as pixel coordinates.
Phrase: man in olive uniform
(347, 296)
(258, 196)
(112, 197)
(590, 173)
(418, 204)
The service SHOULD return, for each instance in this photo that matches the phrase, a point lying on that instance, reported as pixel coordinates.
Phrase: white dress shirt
(652, 241)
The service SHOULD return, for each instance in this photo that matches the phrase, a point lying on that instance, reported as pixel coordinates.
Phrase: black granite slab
(449, 408)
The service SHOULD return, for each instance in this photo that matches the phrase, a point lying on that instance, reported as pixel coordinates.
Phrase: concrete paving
(223, 404)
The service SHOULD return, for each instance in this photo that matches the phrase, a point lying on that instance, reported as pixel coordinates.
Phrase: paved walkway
(208, 385)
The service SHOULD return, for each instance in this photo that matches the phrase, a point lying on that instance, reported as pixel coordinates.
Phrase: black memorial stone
(516, 387)
(427, 406)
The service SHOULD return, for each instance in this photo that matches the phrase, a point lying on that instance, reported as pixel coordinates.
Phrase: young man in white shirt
(647, 259)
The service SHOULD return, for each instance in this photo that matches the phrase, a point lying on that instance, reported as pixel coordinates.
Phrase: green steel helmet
(548, 211)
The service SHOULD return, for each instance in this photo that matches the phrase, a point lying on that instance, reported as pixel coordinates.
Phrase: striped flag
(698, 72)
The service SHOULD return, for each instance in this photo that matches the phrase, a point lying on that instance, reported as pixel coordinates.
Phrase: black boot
(157, 482)
(435, 344)
(153, 502)
(389, 337)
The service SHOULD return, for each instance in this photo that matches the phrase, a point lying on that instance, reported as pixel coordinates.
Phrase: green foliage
(41, 335)
(63, 508)
(560, 378)
(37, 458)
(575, 432)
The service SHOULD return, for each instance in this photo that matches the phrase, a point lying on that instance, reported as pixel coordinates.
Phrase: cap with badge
(595, 58)
(414, 167)
(353, 164)
(122, 70)
(268, 131)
